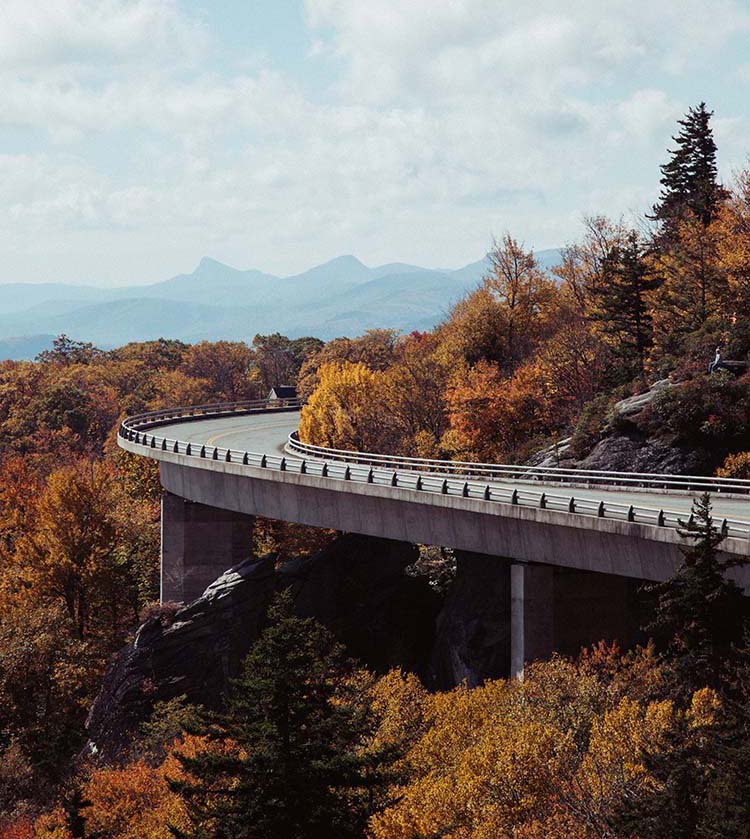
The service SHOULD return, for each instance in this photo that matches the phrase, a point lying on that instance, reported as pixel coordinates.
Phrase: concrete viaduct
(573, 545)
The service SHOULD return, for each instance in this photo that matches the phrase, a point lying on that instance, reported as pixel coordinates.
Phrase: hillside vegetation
(525, 359)
(310, 745)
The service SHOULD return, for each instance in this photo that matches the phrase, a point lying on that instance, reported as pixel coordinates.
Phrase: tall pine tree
(689, 182)
(700, 617)
(290, 758)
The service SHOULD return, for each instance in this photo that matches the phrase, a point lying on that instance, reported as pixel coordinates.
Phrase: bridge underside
(554, 587)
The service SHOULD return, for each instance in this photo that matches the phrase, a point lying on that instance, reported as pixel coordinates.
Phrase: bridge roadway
(268, 433)
(560, 575)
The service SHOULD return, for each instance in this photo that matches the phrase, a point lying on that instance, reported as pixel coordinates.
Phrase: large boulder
(633, 405)
(357, 586)
(621, 453)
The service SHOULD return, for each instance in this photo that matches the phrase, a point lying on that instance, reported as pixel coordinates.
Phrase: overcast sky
(138, 135)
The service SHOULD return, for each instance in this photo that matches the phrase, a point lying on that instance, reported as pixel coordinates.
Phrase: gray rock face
(630, 451)
(473, 629)
(633, 405)
(633, 454)
(356, 586)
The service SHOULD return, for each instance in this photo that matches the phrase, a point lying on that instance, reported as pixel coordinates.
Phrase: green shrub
(592, 425)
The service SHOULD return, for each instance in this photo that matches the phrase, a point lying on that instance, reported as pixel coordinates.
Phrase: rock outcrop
(633, 405)
(627, 449)
(626, 453)
(473, 629)
(357, 586)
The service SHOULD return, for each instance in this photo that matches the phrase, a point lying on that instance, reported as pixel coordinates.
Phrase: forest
(651, 742)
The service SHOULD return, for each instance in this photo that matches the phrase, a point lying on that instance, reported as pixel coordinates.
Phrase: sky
(137, 136)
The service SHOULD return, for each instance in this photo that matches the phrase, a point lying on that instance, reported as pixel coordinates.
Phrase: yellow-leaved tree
(344, 409)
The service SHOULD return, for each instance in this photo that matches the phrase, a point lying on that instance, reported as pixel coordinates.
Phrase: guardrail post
(164, 444)
(282, 465)
(324, 470)
(572, 504)
(203, 451)
(263, 462)
(465, 490)
(176, 447)
(371, 476)
(188, 449)
(724, 528)
(514, 497)
(245, 459)
(137, 437)
(600, 510)
(394, 479)
(542, 502)
(419, 482)
(631, 513)
(303, 468)
(444, 487)
(347, 474)
(153, 442)
(487, 496)
(228, 456)
(215, 455)
(660, 519)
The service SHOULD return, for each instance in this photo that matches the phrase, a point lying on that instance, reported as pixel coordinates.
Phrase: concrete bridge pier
(556, 609)
(199, 543)
(532, 614)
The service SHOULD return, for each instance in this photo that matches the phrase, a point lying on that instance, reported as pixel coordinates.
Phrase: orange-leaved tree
(492, 416)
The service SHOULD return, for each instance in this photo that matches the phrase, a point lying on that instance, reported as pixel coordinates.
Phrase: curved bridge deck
(268, 433)
(570, 556)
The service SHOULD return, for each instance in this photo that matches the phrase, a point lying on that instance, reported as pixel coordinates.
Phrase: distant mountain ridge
(339, 297)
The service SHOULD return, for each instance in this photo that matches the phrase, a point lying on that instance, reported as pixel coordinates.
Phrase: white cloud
(450, 121)
(84, 32)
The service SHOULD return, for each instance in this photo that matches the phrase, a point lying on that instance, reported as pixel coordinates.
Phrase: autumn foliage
(652, 743)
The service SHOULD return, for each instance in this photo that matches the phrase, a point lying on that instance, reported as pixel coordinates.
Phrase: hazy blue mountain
(413, 300)
(396, 268)
(548, 259)
(332, 277)
(211, 282)
(16, 297)
(119, 321)
(340, 297)
(472, 274)
(26, 348)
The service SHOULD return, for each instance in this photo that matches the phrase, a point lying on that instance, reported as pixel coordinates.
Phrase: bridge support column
(532, 614)
(199, 543)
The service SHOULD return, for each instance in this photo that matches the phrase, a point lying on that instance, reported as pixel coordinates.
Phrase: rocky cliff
(625, 448)
(357, 586)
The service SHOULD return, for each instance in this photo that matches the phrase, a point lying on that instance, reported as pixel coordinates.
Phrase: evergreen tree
(700, 616)
(621, 302)
(690, 178)
(702, 775)
(289, 758)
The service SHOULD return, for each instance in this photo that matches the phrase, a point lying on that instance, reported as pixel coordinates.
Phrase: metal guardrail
(549, 474)
(414, 473)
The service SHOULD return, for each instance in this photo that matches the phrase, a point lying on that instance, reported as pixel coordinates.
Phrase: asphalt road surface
(268, 433)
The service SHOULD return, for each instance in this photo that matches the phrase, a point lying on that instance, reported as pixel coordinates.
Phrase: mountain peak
(345, 260)
(208, 263)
